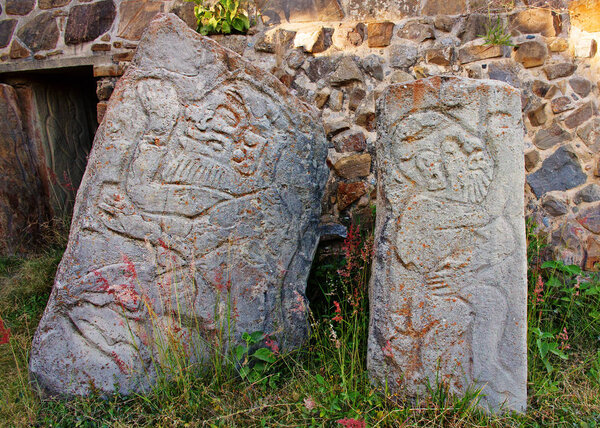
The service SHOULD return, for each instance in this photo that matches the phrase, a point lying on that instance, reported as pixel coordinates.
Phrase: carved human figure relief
(450, 241)
(198, 212)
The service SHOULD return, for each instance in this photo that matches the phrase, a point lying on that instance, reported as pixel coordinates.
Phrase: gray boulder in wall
(200, 203)
(448, 290)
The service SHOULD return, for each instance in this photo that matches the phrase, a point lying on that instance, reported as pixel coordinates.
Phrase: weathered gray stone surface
(204, 183)
(560, 171)
(448, 290)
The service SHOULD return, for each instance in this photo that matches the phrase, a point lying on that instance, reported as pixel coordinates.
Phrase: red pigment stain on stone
(4, 333)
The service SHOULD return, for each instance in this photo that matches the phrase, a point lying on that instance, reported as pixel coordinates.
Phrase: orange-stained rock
(135, 15)
(350, 192)
(379, 34)
(353, 166)
(592, 259)
(585, 15)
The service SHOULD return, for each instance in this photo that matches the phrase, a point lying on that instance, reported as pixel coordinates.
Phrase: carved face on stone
(431, 168)
(220, 129)
(468, 168)
(161, 105)
(444, 158)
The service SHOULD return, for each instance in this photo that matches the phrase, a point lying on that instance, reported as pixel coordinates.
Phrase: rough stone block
(19, 7)
(538, 116)
(353, 166)
(123, 56)
(590, 193)
(592, 251)
(532, 53)
(399, 76)
(379, 34)
(477, 50)
(347, 71)
(335, 126)
(336, 100)
(201, 198)
(416, 31)
(381, 9)
(355, 98)
(534, 20)
(561, 104)
(101, 47)
(274, 40)
(51, 4)
(580, 85)
(532, 157)
(580, 115)
(585, 48)
(403, 55)
(589, 217)
(444, 7)
(40, 33)
(135, 15)
(278, 11)
(373, 66)
(108, 70)
(88, 21)
(554, 205)
(449, 288)
(350, 141)
(322, 96)
(568, 242)
(319, 68)
(505, 71)
(561, 171)
(314, 41)
(550, 137)
(540, 88)
(185, 10)
(474, 26)
(590, 134)
(439, 56)
(348, 36)
(349, 193)
(18, 51)
(7, 26)
(562, 69)
(558, 45)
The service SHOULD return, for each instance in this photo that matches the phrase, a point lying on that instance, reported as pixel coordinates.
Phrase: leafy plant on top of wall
(222, 16)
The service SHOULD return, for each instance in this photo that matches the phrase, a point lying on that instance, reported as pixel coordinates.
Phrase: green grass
(326, 381)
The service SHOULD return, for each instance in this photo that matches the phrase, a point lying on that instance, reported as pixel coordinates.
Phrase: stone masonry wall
(340, 56)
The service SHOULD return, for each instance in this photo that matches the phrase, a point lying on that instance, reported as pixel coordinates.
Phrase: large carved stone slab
(448, 291)
(200, 202)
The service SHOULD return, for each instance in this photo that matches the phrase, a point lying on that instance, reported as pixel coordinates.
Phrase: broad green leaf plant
(222, 16)
(256, 366)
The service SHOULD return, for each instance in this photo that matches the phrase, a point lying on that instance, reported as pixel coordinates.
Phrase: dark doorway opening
(48, 126)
